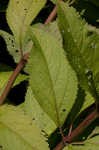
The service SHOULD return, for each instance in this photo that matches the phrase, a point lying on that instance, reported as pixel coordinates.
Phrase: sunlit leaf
(19, 130)
(20, 14)
(32, 108)
(53, 82)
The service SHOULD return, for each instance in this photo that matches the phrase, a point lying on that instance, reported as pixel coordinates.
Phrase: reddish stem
(53, 13)
(51, 16)
(12, 78)
(91, 117)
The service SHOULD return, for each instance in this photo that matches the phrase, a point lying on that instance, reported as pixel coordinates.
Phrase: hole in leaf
(12, 41)
(16, 51)
(12, 45)
(64, 110)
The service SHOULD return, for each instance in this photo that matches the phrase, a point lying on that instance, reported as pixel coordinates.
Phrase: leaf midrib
(58, 121)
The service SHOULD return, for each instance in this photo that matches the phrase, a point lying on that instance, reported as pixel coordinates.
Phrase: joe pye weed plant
(60, 61)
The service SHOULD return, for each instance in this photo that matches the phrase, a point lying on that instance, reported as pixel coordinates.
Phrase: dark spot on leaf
(1, 146)
(12, 41)
(12, 45)
(33, 118)
(35, 46)
(25, 8)
(17, 2)
(64, 110)
(16, 51)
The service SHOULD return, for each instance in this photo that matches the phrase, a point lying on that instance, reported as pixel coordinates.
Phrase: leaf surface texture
(19, 131)
(52, 80)
(20, 14)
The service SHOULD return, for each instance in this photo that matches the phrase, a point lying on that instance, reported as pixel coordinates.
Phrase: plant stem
(12, 78)
(51, 16)
(70, 129)
(62, 135)
(54, 12)
(88, 120)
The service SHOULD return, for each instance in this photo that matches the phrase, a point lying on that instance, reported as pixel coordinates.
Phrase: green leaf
(90, 52)
(96, 81)
(20, 14)
(73, 30)
(52, 79)
(53, 1)
(90, 48)
(83, 101)
(19, 131)
(95, 132)
(32, 108)
(51, 28)
(68, 148)
(21, 106)
(13, 48)
(89, 100)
